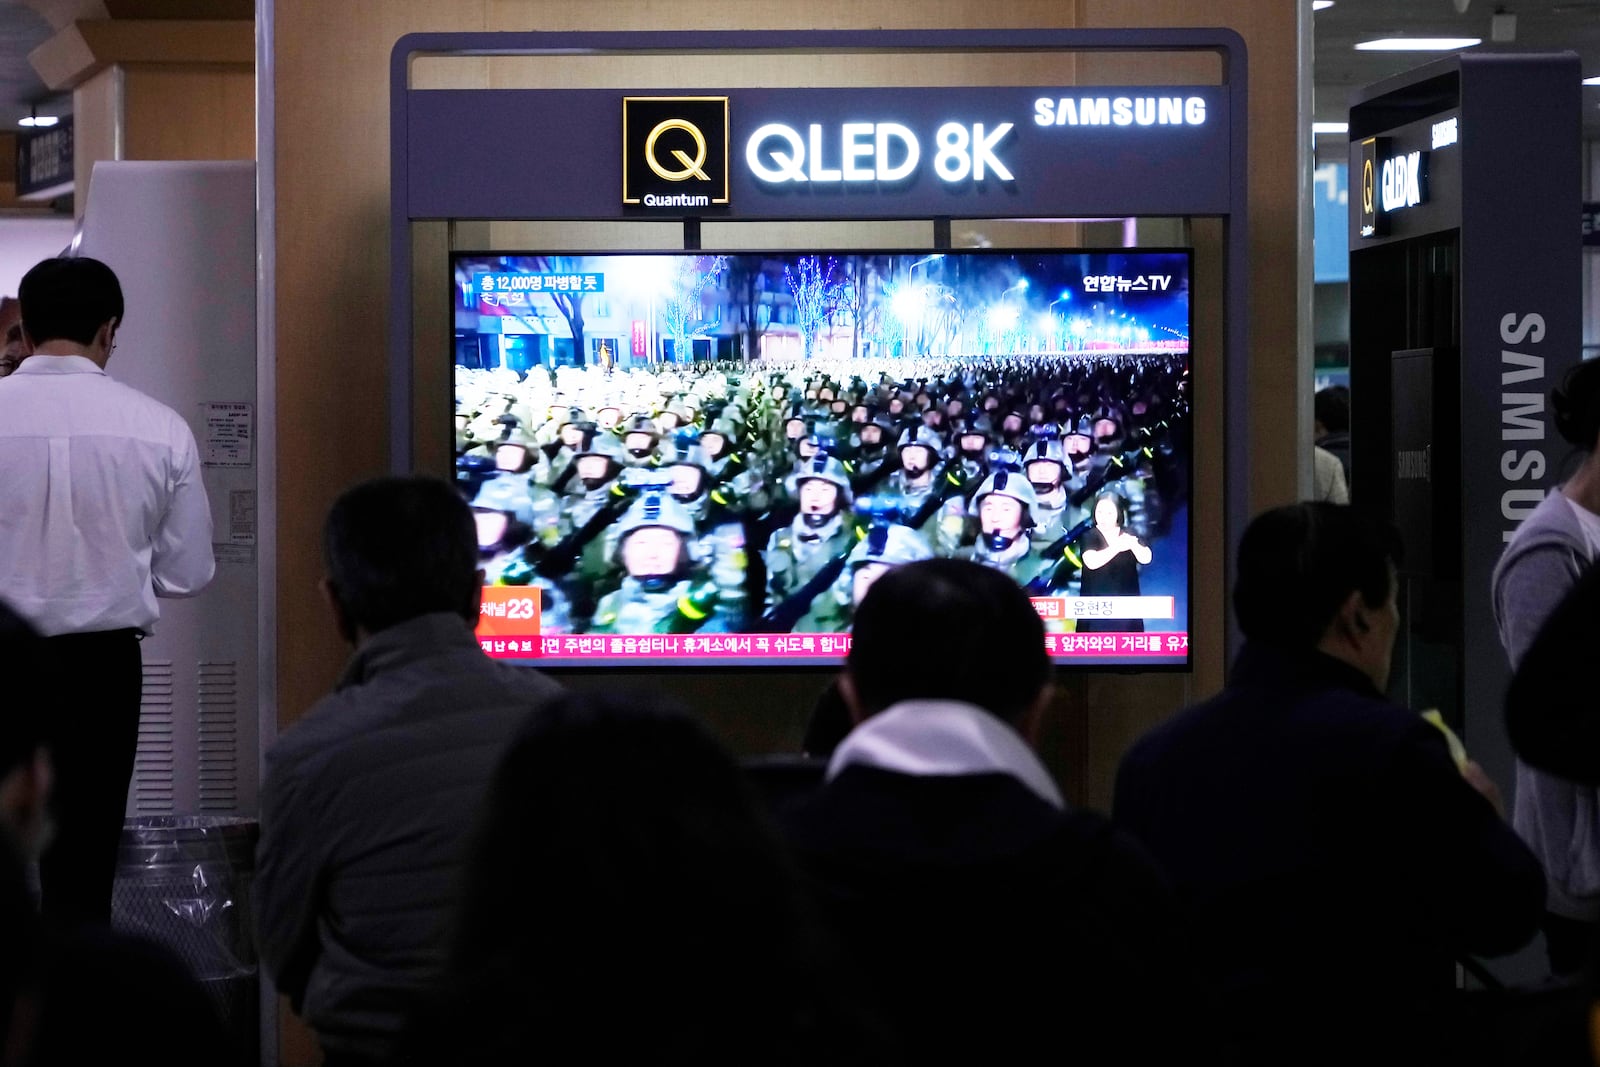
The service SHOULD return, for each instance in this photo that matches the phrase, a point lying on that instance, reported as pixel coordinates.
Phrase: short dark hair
(1576, 404)
(68, 299)
(401, 547)
(24, 688)
(1299, 563)
(624, 821)
(1331, 406)
(948, 629)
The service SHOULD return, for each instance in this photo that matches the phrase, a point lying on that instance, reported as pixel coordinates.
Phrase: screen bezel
(688, 666)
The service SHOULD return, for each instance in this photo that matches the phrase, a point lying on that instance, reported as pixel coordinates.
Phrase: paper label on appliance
(230, 434)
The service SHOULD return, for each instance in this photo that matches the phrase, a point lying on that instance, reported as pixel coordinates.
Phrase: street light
(911, 270)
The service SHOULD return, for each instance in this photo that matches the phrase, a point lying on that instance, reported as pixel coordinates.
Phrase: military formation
(767, 497)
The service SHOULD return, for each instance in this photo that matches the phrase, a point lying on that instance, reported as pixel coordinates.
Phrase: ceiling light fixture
(1321, 5)
(36, 119)
(1418, 44)
(1592, 81)
(1330, 127)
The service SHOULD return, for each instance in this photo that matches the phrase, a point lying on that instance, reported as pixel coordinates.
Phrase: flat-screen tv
(705, 459)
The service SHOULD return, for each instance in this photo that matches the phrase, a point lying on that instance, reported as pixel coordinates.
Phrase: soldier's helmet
(506, 493)
(686, 461)
(979, 427)
(892, 544)
(828, 469)
(1013, 484)
(920, 435)
(597, 442)
(1078, 444)
(639, 422)
(1045, 450)
(655, 508)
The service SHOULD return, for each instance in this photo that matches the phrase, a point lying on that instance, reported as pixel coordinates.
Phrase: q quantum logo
(1374, 223)
(675, 151)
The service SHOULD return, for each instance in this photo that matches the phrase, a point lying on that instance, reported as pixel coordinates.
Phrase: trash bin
(184, 881)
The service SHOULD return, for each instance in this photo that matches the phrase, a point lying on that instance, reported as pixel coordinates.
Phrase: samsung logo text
(1120, 111)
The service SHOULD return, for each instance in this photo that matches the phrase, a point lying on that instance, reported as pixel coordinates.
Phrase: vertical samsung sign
(1521, 317)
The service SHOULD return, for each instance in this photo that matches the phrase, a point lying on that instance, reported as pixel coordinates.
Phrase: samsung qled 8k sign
(708, 458)
(849, 153)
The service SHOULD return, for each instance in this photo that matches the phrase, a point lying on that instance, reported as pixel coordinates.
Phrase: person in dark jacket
(991, 922)
(1333, 857)
(627, 900)
(75, 994)
(367, 800)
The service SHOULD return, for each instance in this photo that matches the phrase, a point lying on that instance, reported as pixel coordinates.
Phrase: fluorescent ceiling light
(38, 120)
(1321, 5)
(1592, 81)
(1330, 127)
(1418, 44)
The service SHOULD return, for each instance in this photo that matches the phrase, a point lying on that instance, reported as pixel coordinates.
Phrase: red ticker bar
(792, 646)
(1088, 645)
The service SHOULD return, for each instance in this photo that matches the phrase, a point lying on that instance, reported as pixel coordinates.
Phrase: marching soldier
(821, 531)
(661, 590)
(1004, 505)
(886, 546)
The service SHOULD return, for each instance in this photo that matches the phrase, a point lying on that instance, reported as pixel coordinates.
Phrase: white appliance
(181, 237)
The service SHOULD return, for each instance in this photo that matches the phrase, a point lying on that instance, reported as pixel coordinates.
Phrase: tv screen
(705, 459)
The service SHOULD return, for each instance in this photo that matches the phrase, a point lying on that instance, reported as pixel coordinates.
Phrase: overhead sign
(45, 162)
(788, 153)
(675, 151)
(1391, 181)
(1404, 181)
(875, 152)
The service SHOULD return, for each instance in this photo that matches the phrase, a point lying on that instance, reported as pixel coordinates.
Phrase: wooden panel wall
(189, 111)
(96, 125)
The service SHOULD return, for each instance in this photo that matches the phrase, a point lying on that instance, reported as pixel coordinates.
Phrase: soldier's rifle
(782, 617)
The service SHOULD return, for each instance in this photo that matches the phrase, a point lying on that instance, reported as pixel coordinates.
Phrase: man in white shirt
(102, 510)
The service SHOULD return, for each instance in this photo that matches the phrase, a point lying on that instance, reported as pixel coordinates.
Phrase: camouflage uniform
(681, 602)
(798, 552)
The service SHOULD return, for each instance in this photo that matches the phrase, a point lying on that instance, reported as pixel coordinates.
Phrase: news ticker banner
(508, 628)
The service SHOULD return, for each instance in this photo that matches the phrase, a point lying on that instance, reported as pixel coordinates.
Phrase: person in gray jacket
(1544, 559)
(368, 799)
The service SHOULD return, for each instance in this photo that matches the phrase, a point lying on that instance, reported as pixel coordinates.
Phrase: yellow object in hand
(1458, 751)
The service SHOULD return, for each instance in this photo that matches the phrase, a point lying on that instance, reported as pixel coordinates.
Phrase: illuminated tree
(683, 312)
(815, 297)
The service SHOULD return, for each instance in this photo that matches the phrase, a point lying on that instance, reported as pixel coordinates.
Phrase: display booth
(796, 349)
(1465, 310)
